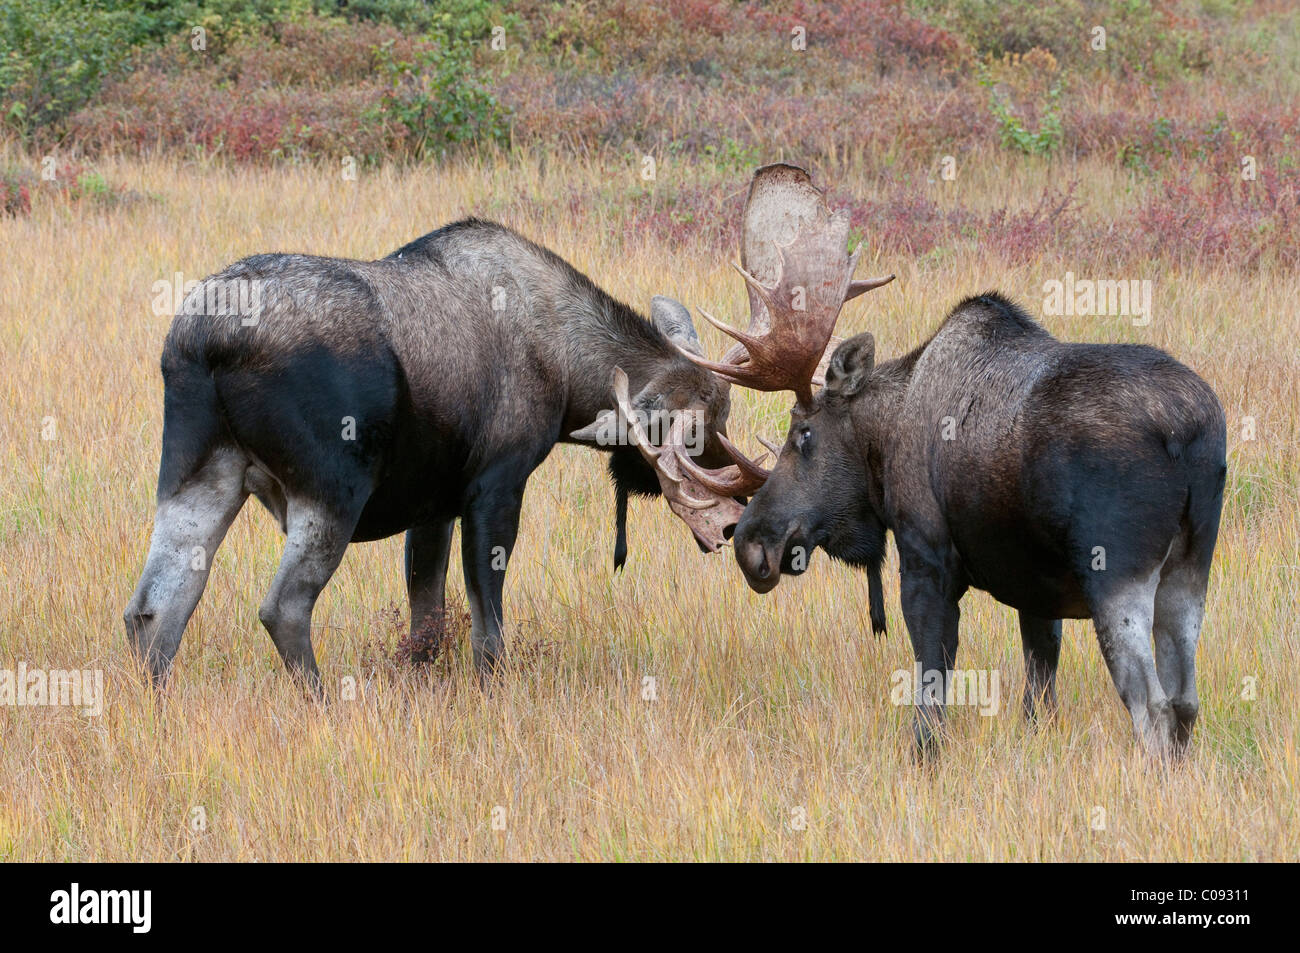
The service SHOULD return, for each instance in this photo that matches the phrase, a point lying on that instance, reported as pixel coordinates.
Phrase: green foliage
(1141, 36)
(56, 54)
(999, 27)
(465, 19)
(732, 155)
(53, 56)
(1011, 127)
(1137, 156)
(154, 21)
(439, 100)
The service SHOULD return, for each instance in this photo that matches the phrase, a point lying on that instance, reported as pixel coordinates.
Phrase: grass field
(770, 734)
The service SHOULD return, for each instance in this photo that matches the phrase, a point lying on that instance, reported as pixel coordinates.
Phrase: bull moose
(1067, 480)
(357, 400)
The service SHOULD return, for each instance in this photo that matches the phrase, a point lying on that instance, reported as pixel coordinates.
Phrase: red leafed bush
(1246, 222)
(872, 34)
(15, 196)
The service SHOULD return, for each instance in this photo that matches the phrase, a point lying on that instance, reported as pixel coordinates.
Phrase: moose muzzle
(765, 554)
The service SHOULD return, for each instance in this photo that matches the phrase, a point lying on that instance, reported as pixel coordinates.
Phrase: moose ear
(851, 365)
(673, 319)
(602, 431)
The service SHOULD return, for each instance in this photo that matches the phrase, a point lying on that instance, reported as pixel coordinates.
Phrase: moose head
(798, 273)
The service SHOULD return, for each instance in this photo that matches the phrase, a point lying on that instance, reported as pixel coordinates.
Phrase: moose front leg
(930, 598)
(488, 530)
(428, 550)
(1041, 640)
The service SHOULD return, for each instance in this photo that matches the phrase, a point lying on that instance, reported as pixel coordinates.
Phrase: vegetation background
(978, 144)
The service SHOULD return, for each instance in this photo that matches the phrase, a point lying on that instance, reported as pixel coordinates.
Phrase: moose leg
(488, 530)
(428, 549)
(930, 609)
(1179, 609)
(1041, 640)
(1123, 620)
(188, 527)
(316, 540)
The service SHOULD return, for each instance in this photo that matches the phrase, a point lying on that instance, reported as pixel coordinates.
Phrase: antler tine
(764, 293)
(742, 478)
(863, 285)
(736, 354)
(751, 468)
(678, 493)
(628, 412)
(731, 373)
(728, 481)
(745, 340)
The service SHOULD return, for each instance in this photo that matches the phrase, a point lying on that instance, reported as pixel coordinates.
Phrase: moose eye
(803, 442)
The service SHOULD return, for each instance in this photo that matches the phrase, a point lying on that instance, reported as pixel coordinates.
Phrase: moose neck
(876, 422)
(603, 335)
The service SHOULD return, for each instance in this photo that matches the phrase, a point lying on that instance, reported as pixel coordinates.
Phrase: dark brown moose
(1067, 480)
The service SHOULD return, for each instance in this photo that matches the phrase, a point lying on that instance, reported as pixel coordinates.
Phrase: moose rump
(315, 419)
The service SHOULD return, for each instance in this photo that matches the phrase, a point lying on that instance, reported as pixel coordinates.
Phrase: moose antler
(709, 512)
(796, 266)
(798, 272)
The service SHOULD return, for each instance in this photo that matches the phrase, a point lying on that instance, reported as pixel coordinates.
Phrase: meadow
(666, 712)
(770, 733)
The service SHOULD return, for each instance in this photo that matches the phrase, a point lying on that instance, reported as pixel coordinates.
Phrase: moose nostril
(756, 559)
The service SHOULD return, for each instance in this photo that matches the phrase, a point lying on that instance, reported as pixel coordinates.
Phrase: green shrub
(54, 54)
(437, 97)
(999, 27)
(1011, 126)
(462, 18)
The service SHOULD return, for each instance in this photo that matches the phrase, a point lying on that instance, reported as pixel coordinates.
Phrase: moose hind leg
(189, 525)
(1123, 621)
(1179, 609)
(1041, 640)
(316, 539)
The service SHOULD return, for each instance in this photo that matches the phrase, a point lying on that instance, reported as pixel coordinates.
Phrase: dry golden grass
(765, 705)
